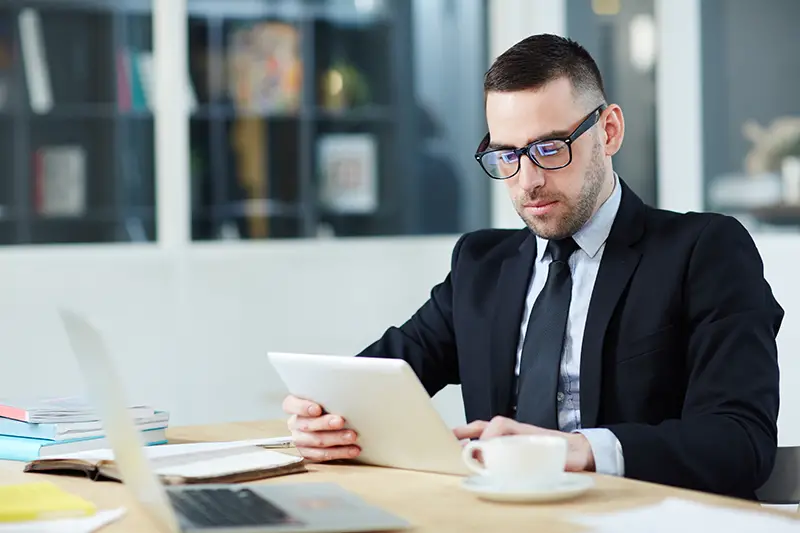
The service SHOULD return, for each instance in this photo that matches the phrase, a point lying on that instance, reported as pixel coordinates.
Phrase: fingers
(293, 405)
(497, 427)
(472, 430)
(329, 454)
(500, 426)
(326, 445)
(324, 439)
(319, 423)
(317, 436)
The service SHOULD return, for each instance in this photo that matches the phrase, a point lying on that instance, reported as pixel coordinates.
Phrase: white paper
(67, 525)
(168, 450)
(674, 514)
(258, 459)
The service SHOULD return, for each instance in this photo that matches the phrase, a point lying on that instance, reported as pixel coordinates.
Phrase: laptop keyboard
(227, 508)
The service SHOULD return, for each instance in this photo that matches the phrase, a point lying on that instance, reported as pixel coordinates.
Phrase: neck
(609, 182)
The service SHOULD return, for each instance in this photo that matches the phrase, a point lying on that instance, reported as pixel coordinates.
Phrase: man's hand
(319, 436)
(579, 452)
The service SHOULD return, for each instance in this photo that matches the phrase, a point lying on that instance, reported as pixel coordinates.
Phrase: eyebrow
(550, 135)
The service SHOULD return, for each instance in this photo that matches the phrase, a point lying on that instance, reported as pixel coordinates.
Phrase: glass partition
(313, 118)
(751, 111)
(76, 131)
(309, 118)
(621, 36)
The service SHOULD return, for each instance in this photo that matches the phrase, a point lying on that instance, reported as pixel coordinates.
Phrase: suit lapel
(512, 289)
(616, 268)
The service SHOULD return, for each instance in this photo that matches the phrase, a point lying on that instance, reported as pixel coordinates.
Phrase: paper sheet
(166, 450)
(67, 525)
(674, 514)
(208, 464)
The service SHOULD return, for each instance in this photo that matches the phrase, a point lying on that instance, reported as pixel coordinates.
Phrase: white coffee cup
(519, 461)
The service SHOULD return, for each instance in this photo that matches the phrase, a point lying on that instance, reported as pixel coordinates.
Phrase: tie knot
(562, 249)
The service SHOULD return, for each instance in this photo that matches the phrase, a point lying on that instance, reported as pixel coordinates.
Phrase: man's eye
(549, 148)
(508, 157)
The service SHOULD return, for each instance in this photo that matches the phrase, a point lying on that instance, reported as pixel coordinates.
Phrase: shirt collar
(591, 237)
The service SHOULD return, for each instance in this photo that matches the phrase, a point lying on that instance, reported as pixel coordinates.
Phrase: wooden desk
(429, 501)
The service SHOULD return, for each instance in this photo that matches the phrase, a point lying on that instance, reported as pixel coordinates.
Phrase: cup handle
(467, 455)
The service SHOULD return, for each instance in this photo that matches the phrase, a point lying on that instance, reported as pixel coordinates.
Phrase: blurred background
(212, 179)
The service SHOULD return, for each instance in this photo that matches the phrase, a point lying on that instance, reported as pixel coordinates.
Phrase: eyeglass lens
(505, 163)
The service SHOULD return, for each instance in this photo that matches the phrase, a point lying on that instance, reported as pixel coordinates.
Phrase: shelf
(289, 10)
(778, 215)
(372, 113)
(364, 114)
(205, 112)
(250, 9)
(292, 11)
(253, 208)
(84, 111)
(97, 215)
(127, 6)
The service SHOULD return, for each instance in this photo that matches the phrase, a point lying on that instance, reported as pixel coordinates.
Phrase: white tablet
(383, 401)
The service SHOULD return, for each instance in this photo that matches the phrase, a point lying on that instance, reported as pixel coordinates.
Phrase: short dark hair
(540, 59)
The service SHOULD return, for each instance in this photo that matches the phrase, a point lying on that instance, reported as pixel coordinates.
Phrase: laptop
(214, 508)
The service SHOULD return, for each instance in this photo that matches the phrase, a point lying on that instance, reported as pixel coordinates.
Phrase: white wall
(190, 330)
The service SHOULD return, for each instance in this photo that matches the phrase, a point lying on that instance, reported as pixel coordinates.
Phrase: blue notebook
(27, 449)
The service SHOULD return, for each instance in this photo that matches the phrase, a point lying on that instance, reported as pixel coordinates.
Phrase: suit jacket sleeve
(427, 340)
(726, 438)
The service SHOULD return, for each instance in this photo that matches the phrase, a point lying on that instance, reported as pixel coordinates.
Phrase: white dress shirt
(584, 264)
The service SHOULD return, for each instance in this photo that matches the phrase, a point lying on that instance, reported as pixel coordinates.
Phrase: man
(645, 338)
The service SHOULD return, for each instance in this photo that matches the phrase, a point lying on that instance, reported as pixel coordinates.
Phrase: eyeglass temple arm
(590, 121)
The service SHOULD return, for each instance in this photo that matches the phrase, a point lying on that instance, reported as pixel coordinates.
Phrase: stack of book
(34, 429)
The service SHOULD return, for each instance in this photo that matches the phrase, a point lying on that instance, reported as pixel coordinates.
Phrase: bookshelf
(76, 128)
(258, 165)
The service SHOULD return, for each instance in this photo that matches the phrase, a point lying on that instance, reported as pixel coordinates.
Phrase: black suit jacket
(679, 357)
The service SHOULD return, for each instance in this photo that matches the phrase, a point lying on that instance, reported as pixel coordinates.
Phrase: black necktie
(544, 340)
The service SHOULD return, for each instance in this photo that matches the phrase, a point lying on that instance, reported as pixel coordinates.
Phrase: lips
(539, 203)
(540, 207)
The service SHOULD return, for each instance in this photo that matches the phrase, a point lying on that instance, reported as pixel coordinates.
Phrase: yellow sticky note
(40, 501)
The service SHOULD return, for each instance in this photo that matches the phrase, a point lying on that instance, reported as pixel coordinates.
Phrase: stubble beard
(553, 227)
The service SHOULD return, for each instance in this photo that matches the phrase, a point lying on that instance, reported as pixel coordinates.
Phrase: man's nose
(531, 176)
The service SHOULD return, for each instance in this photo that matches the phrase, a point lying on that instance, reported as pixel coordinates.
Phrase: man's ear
(613, 123)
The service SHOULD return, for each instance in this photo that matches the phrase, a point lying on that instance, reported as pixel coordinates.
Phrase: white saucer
(570, 485)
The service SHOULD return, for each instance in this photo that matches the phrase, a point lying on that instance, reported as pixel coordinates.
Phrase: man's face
(553, 203)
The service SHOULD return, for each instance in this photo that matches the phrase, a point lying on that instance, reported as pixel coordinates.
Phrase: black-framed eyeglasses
(549, 154)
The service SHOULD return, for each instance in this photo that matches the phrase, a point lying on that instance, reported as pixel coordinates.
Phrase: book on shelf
(6, 63)
(348, 172)
(178, 464)
(59, 174)
(34, 61)
(135, 72)
(266, 70)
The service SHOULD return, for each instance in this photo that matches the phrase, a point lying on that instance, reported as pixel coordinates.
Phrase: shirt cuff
(607, 450)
